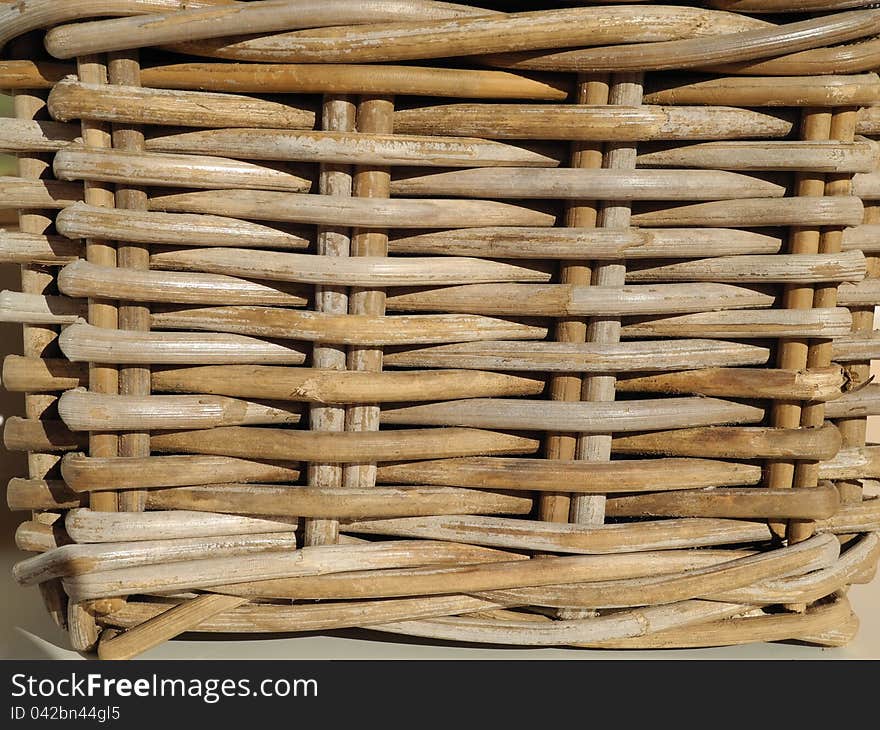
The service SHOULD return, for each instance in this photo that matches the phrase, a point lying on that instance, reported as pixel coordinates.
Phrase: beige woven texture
(546, 325)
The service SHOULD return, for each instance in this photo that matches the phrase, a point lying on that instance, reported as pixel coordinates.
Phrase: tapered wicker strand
(38, 341)
(375, 115)
(338, 115)
(819, 354)
(124, 70)
(555, 507)
(626, 90)
(102, 378)
(792, 352)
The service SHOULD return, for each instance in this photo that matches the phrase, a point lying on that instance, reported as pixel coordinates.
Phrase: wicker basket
(548, 327)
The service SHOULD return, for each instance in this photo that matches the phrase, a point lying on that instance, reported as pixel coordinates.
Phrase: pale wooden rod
(495, 242)
(858, 404)
(649, 355)
(748, 442)
(741, 323)
(33, 75)
(317, 326)
(699, 52)
(82, 279)
(316, 386)
(363, 79)
(811, 503)
(632, 628)
(622, 476)
(571, 299)
(21, 434)
(426, 151)
(856, 347)
(862, 294)
(365, 148)
(813, 384)
(181, 171)
(683, 47)
(82, 473)
(593, 123)
(82, 343)
(89, 526)
(441, 38)
(76, 559)
(316, 560)
(502, 243)
(338, 502)
(519, 534)
(830, 624)
(328, 210)
(853, 463)
(686, 499)
(575, 417)
(759, 91)
(507, 575)
(785, 6)
(861, 55)
(802, 268)
(80, 220)
(276, 618)
(82, 411)
(713, 579)
(72, 99)
(758, 212)
(349, 447)
(701, 361)
(575, 183)
(199, 20)
(16, 21)
(167, 170)
(349, 329)
(809, 586)
(272, 277)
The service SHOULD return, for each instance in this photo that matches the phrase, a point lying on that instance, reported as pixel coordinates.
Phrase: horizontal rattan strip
(84, 221)
(161, 169)
(306, 561)
(283, 383)
(595, 123)
(352, 79)
(84, 411)
(83, 279)
(71, 99)
(194, 22)
(83, 473)
(179, 171)
(700, 52)
(76, 559)
(577, 357)
(759, 91)
(635, 475)
(807, 504)
(582, 417)
(440, 38)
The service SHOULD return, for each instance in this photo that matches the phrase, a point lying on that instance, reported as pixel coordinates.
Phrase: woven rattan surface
(545, 324)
